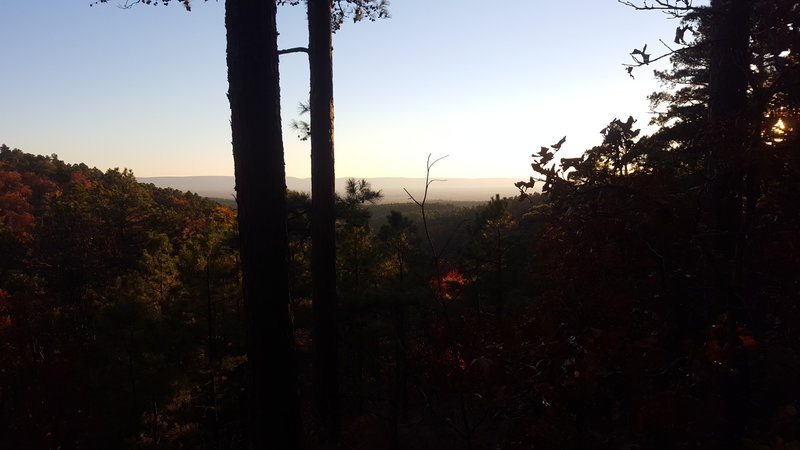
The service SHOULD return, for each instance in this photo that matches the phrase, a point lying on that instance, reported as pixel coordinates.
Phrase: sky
(484, 83)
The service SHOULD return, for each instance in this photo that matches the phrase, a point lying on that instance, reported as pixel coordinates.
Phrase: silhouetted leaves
(679, 34)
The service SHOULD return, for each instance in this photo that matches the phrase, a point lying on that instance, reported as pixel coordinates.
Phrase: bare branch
(411, 197)
(290, 50)
(128, 4)
(428, 179)
(660, 5)
(430, 164)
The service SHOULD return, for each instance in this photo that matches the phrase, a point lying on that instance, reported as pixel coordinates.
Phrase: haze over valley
(452, 189)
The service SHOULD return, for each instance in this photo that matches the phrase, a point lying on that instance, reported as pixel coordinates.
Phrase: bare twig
(128, 4)
(421, 204)
(672, 9)
(428, 181)
(671, 50)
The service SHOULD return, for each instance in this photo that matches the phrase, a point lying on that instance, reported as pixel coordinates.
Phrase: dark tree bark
(729, 70)
(273, 408)
(323, 219)
(722, 218)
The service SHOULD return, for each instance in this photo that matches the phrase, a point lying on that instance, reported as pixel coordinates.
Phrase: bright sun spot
(778, 130)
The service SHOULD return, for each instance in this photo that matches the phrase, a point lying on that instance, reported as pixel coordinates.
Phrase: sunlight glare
(778, 130)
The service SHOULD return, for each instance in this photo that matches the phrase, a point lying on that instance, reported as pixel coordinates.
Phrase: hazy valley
(452, 189)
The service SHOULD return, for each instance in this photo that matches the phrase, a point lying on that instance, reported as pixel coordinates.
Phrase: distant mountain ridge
(455, 189)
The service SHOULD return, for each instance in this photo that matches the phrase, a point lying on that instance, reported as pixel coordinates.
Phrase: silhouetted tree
(254, 93)
(324, 17)
(323, 216)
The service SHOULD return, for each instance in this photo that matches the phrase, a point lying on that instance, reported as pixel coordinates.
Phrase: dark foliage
(120, 311)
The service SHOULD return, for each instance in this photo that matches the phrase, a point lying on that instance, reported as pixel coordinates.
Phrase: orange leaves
(451, 285)
(192, 226)
(9, 180)
(225, 215)
(178, 201)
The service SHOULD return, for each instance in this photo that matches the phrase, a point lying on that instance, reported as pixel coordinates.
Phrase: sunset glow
(132, 91)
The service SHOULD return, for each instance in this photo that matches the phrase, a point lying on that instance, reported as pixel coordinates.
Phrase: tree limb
(293, 50)
(660, 5)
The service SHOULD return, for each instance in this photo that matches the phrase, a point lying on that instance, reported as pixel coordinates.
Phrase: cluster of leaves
(357, 10)
(131, 3)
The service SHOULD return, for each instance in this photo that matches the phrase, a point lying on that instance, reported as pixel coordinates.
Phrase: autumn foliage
(98, 272)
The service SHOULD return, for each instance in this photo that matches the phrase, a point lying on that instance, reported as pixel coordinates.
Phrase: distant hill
(454, 189)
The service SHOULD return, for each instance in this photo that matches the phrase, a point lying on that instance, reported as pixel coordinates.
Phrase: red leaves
(746, 336)
(18, 195)
(9, 180)
(451, 285)
(221, 215)
(15, 203)
(453, 279)
(79, 178)
(22, 223)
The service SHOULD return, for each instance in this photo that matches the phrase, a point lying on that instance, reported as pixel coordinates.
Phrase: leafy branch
(644, 58)
(358, 10)
(302, 127)
(674, 9)
(128, 4)
(542, 158)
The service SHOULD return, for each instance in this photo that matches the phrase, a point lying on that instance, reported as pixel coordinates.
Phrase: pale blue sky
(484, 82)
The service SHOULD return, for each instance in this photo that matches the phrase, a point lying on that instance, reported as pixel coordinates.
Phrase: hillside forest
(643, 295)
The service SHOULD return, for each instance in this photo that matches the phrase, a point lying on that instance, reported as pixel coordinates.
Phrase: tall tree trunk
(722, 218)
(323, 218)
(728, 124)
(273, 408)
